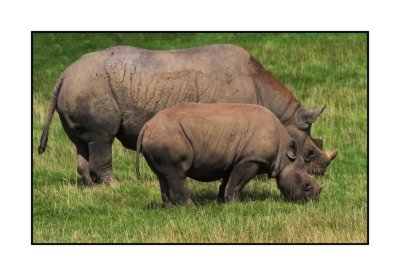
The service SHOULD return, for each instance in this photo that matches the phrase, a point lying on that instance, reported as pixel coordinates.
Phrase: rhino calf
(232, 142)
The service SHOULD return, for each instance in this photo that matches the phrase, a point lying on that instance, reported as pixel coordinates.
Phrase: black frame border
(77, 32)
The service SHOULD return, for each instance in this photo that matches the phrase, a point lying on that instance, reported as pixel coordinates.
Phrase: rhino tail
(138, 150)
(53, 106)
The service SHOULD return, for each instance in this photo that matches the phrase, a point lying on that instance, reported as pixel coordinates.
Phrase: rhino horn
(331, 154)
(319, 143)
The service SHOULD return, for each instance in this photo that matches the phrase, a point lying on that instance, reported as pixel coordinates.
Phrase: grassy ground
(320, 69)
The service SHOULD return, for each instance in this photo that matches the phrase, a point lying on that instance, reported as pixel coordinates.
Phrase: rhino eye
(308, 154)
(304, 126)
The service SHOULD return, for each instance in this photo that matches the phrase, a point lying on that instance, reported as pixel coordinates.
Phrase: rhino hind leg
(174, 189)
(82, 162)
(82, 154)
(221, 192)
(238, 178)
(178, 191)
(100, 161)
(94, 158)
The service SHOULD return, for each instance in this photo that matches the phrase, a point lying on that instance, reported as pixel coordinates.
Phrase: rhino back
(144, 82)
(222, 135)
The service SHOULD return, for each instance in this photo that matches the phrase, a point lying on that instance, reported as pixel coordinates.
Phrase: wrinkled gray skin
(233, 142)
(113, 93)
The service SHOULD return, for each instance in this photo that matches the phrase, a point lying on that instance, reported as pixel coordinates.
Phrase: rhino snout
(310, 192)
(319, 165)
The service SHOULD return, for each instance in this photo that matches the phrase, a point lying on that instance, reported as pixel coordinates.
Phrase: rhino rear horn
(318, 142)
(309, 116)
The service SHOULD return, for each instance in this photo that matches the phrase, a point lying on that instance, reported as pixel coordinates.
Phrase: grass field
(318, 68)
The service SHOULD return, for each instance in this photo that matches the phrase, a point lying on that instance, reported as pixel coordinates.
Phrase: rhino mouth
(305, 196)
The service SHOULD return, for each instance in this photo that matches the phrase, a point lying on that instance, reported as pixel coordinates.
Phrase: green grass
(318, 68)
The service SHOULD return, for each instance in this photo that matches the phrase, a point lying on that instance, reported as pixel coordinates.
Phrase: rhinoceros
(114, 92)
(232, 142)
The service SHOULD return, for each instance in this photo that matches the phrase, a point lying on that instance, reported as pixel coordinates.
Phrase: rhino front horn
(331, 154)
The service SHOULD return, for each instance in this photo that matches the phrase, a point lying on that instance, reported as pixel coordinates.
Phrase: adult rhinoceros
(114, 92)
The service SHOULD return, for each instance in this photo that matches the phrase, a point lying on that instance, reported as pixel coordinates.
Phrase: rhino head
(316, 159)
(293, 180)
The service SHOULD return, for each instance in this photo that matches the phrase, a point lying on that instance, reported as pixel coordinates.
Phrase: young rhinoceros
(233, 142)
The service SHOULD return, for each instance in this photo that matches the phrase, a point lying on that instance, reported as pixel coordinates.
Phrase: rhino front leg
(240, 175)
(100, 161)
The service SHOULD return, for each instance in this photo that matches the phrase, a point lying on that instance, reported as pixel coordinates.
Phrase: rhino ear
(291, 151)
(309, 116)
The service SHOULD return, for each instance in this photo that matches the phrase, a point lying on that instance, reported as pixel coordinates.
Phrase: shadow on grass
(210, 197)
(262, 196)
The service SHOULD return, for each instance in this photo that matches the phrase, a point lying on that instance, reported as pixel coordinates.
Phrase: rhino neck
(278, 99)
(279, 165)
(281, 160)
(273, 95)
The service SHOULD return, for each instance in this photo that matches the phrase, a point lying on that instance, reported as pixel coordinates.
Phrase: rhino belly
(208, 172)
